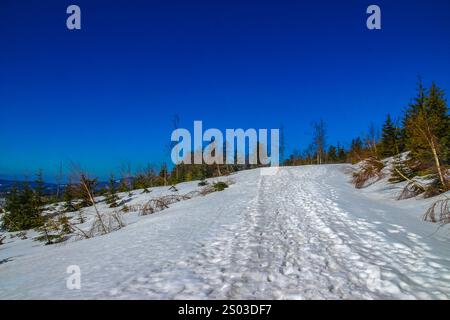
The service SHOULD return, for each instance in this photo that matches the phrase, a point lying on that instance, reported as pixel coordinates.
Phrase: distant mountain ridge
(6, 185)
(50, 188)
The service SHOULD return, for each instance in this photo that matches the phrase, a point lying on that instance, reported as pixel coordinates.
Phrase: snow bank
(303, 233)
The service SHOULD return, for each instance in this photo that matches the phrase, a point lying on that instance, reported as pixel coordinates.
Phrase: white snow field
(303, 233)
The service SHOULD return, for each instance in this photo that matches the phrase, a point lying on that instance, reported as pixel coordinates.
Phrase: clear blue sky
(106, 94)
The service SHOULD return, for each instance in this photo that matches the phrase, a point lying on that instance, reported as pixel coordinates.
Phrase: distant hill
(6, 185)
(50, 188)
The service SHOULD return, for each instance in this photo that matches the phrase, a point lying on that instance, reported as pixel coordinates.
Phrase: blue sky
(105, 94)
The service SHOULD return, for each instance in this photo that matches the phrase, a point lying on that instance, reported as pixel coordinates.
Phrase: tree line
(419, 143)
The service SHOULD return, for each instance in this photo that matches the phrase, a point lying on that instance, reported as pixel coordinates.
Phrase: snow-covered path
(304, 233)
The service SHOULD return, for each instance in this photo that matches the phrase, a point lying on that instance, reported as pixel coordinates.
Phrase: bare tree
(86, 186)
(282, 144)
(372, 138)
(59, 181)
(214, 156)
(319, 140)
(86, 190)
(125, 172)
(175, 124)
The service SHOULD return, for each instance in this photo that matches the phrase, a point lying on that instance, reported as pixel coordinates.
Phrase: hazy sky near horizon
(106, 94)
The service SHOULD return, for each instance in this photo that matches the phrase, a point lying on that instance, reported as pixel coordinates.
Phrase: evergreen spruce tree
(47, 232)
(163, 173)
(111, 195)
(21, 212)
(389, 144)
(54, 230)
(12, 210)
(39, 200)
(427, 131)
(68, 198)
(436, 105)
(401, 169)
(342, 155)
(356, 150)
(332, 155)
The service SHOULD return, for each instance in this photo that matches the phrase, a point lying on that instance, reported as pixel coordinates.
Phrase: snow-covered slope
(303, 233)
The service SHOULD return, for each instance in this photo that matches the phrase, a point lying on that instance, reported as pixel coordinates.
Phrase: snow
(297, 233)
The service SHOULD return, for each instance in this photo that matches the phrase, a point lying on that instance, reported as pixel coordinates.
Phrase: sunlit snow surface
(302, 233)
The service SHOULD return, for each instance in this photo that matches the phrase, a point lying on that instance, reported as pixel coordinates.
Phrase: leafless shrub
(80, 233)
(369, 169)
(207, 190)
(429, 187)
(191, 194)
(106, 223)
(434, 188)
(412, 189)
(131, 208)
(115, 221)
(439, 212)
(161, 203)
(86, 190)
(229, 182)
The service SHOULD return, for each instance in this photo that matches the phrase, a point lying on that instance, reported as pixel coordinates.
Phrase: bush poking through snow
(202, 183)
(206, 190)
(412, 189)
(220, 186)
(368, 172)
(215, 187)
(429, 186)
(439, 212)
(111, 197)
(161, 203)
(103, 224)
(403, 168)
(54, 230)
(434, 188)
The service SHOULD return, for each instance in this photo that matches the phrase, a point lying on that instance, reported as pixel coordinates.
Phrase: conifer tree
(356, 150)
(427, 130)
(39, 193)
(21, 212)
(342, 155)
(332, 156)
(54, 230)
(389, 144)
(111, 195)
(163, 173)
(68, 197)
(12, 210)
(402, 169)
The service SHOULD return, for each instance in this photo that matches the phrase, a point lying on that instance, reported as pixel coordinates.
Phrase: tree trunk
(438, 164)
(91, 198)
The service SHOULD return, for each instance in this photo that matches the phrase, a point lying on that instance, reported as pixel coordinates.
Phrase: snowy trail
(303, 233)
(296, 242)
